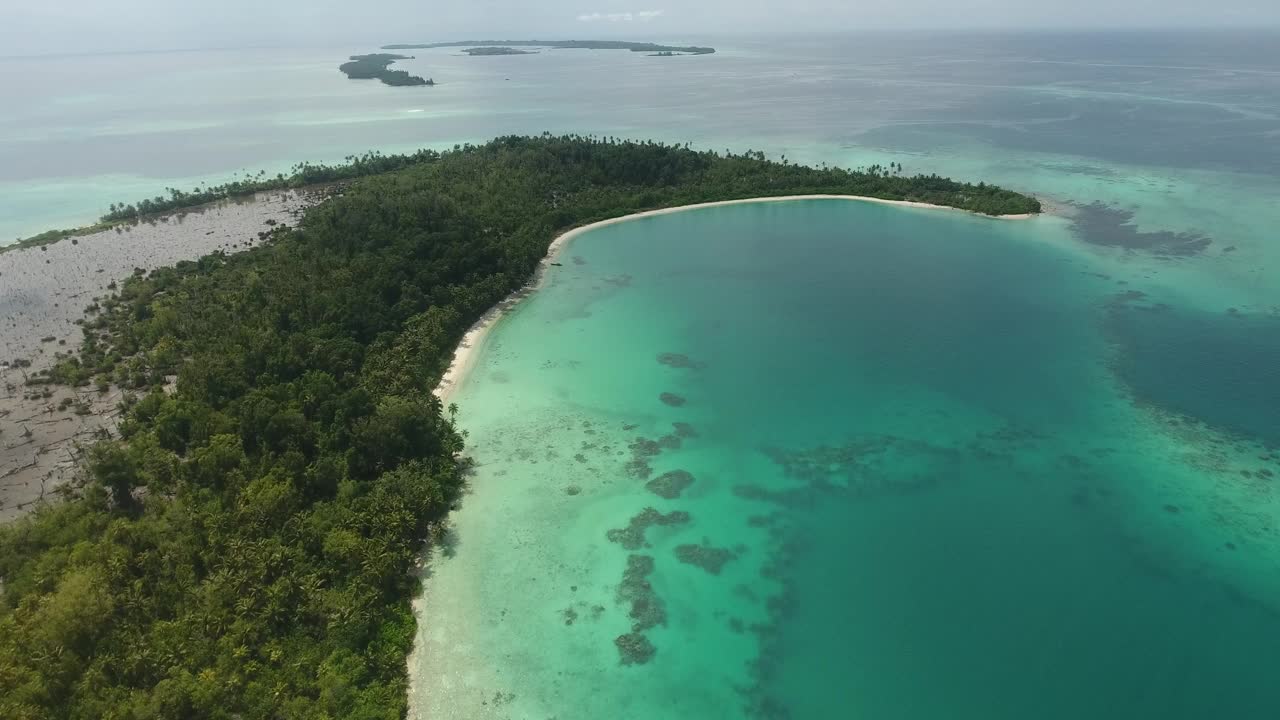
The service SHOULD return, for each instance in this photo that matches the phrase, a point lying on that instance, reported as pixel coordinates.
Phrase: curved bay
(914, 481)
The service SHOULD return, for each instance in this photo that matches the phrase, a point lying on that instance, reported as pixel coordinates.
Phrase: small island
(377, 66)
(562, 45)
(483, 51)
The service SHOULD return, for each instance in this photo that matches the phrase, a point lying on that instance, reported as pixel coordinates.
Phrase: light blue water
(930, 494)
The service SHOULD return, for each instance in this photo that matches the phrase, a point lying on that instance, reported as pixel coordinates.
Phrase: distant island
(562, 45)
(377, 66)
(480, 51)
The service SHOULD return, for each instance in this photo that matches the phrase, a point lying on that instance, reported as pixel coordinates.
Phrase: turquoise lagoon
(943, 466)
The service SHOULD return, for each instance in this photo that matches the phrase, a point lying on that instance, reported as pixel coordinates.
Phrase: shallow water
(920, 487)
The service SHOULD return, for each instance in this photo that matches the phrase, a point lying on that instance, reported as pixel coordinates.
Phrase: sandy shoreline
(467, 352)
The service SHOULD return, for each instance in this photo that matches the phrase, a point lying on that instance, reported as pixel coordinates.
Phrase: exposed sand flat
(45, 290)
(464, 357)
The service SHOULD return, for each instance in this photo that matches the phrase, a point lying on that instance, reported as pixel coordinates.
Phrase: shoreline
(313, 193)
(468, 349)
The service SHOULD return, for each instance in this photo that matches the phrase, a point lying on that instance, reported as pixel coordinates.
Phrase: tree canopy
(377, 66)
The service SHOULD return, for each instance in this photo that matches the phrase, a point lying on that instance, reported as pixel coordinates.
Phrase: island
(563, 45)
(481, 51)
(243, 537)
(377, 66)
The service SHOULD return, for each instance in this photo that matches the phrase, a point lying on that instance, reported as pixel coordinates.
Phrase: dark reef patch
(1101, 224)
(711, 559)
(676, 360)
(672, 399)
(632, 536)
(684, 430)
(646, 611)
(642, 451)
(644, 447)
(634, 648)
(860, 468)
(639, 468)
(670, 485)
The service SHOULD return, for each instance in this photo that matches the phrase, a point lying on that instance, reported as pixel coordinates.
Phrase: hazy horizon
(155, 25)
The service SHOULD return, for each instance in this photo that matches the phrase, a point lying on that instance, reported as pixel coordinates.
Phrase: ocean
(818, 458)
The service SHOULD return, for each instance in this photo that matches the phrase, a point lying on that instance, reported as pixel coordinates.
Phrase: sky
(50, 26)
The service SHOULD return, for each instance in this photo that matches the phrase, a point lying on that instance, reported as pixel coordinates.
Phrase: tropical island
(241, 542)
(563, 45)
(482, 51)
(378, 66)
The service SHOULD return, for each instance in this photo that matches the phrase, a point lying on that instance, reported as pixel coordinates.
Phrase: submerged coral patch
(677, 360)
(1102, 224)
(642, 450)
(684, 430)
(672, 399)
(632, 537)
(634, 648)
(670, 485)
(670, 442)
(711, 559)
(645, 609)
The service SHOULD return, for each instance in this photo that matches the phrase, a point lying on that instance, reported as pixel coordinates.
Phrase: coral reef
(711, 559)
(632, 536)
(646, 611)
(670, 485)
(634, 648)
(684, 430)
(676, 360)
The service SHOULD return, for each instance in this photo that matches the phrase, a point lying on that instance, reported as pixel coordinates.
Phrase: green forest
(300, 176)
(245, 546)
(378, 66)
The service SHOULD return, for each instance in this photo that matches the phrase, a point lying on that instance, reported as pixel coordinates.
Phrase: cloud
(639, 16)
